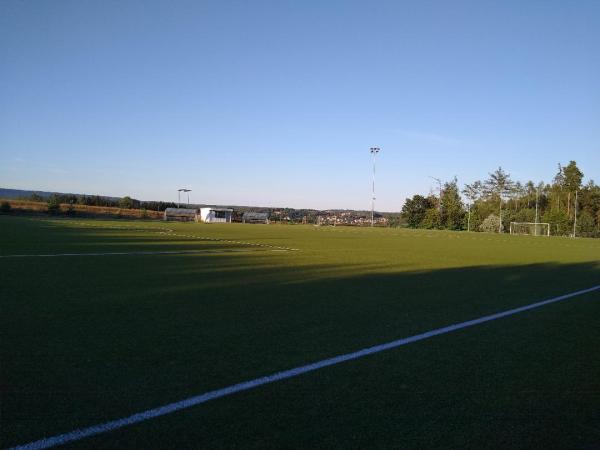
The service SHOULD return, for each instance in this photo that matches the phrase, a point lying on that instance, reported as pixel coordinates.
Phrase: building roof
(255, 215)
(181, 212)
(212, 208)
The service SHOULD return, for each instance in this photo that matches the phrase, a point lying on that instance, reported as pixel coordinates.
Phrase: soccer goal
(531, 228)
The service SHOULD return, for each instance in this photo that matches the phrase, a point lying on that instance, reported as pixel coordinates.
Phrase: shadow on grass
(99, 339)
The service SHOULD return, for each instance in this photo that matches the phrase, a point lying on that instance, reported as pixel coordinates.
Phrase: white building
(215, 215)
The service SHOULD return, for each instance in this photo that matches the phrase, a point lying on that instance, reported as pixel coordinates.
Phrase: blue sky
(277, 103)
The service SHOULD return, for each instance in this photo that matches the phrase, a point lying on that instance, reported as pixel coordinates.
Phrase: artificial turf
(86, 339)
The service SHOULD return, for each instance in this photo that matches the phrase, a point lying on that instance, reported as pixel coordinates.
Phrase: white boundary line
(171, 232)
(81, 433)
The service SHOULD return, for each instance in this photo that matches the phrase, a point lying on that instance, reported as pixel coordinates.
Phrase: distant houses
(213, 214)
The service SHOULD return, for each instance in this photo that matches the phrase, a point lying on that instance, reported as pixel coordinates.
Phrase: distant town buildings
(214, 214)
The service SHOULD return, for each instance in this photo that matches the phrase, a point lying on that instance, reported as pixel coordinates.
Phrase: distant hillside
(11, 194)
(15, 194)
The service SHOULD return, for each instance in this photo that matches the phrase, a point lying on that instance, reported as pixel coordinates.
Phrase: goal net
(531, 228)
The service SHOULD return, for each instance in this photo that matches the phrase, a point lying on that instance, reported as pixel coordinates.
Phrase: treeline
(492, 204)
(97, 200)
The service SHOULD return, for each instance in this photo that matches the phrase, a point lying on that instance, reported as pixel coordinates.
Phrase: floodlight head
(375, 150)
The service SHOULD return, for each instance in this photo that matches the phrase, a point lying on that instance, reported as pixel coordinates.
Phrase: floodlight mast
(374, 152)
(188, 195)
(575, 221)
(537, 192)
(179, 191)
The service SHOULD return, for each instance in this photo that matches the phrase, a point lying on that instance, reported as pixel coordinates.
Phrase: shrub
(585, 225)
(490, 224)
(4, 207)
(53, 204)
(432, 219)
(560, 224)
(126, 202)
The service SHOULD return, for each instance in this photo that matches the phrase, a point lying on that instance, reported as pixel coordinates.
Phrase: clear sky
(277, 103)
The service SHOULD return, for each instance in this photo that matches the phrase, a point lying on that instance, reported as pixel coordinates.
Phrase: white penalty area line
(160, 252)
(170, 408)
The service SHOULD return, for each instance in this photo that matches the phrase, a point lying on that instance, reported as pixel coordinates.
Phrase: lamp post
(179, 191)
(537, 197)
(188, 195)
(575, 221)
(374, 152)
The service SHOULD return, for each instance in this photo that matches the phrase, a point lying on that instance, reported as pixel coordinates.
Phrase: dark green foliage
(4, 207)
(126, 202)
(453, 213)
(586, 226)
(560, 224)
(572, 177)
(396, 220)
(499, 196)
(35, 198)
(53, 204)
(432, 219)
(523, 215)
(414, 210)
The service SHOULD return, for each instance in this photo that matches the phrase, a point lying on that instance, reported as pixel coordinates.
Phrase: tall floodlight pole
(179, 197)
(500, 227)
(537, 192)
(469, 218)
(575, 222)
(374, 151)
(188, 195)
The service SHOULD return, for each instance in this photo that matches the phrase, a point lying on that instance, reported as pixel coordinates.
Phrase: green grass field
(88, 339)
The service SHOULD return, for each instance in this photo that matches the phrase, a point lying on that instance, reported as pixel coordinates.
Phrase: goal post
(530, 228)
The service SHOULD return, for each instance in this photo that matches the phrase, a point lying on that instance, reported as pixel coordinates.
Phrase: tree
(432, 219)
(530, 189)
(572, 177)
(499, 183)
(4, 207)
(585, 225)
(560, 224)
(491, 224)
(126, 202)
(35, 198)
(517, 192)
(452, 215)
(557, 186)
(53, 204)
(414, 210)
(472, 192)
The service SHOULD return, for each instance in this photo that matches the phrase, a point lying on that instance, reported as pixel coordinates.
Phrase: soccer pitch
(105, 319)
